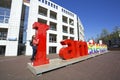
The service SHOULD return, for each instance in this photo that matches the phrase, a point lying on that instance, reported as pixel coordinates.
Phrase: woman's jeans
(34, 52)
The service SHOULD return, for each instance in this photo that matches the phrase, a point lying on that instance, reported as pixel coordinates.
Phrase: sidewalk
(103, 67)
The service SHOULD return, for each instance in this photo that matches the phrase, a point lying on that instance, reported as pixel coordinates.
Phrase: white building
(17, 17)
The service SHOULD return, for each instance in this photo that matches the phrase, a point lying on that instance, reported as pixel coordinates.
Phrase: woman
(34, 44)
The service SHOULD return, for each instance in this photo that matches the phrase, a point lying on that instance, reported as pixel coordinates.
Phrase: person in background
(34, 42)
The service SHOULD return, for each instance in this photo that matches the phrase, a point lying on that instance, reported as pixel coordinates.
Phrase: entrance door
(2, 50)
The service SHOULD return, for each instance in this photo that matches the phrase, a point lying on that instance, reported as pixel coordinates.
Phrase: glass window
(65, 37)
(53, 26)
(71, 21)
(56, 7)
(48, 3)
(3, 33)
(4, 15)
(53, 15)
(65, 29)
(42, 1)
(6, 20)
(71, 31)
(24, 24)
(64, 19)
(1, 19)
(0, 34)
(51, 4)
(53, 38)
(72, 38)
(42, 11)
(52, 50)
(1, 12)
(45, 2)
(42, 21)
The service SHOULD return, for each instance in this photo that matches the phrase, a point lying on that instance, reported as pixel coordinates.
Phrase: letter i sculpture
(41, 57)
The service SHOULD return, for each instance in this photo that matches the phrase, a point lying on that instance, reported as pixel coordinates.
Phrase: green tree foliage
(105, 36)
(116, 32)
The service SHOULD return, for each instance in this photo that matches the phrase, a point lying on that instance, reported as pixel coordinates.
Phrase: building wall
(13, 28)
(73, 29)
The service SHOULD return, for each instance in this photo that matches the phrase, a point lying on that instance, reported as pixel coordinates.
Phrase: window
(65, 37)
(53, 38)
(3, 33)
(53, 26)
(71, 21)
(53, 15)
(52, 50)
(42, 21)
(56, 7)
(42, 11)
(64, 19)
(71, 31)
(48, 3)
(45, 2)
(65, 29)
(51, 4)
(4, 15)
(42, 1)
(1, 19)
(72, 38)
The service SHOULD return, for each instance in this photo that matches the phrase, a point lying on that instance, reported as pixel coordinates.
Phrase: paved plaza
(103, 67)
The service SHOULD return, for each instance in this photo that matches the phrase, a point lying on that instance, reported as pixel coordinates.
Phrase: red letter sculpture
(69, 51)
(85, 48)
(41, 57)
(79, 49)
(73, 49)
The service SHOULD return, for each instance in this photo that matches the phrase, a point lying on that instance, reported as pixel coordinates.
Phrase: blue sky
(95, 15)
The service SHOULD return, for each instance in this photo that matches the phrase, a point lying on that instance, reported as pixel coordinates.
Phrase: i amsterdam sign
(74, 51)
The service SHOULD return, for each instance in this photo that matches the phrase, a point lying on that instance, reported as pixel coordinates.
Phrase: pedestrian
(34, 43)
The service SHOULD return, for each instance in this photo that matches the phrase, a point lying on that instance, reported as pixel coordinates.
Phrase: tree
(116, 31)
(104, 35)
